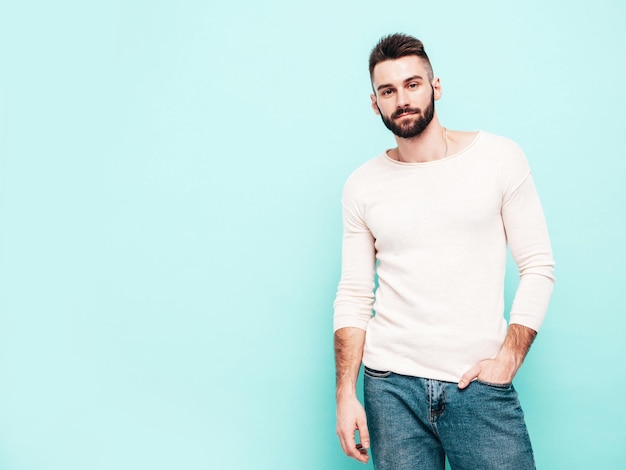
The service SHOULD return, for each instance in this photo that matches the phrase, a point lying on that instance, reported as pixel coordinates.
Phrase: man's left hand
(495, 371)
(505, 365)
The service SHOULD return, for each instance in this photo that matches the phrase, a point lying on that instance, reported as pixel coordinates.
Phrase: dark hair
(398, 45)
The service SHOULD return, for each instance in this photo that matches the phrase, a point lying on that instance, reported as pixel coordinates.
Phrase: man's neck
(429, 146)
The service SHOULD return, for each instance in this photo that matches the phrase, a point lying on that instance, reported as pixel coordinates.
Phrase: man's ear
(374, 104)
(436, 84)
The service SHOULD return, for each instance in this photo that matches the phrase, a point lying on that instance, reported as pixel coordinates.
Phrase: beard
(410, 127)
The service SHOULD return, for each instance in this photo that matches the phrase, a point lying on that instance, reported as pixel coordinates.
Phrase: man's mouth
(405, 112)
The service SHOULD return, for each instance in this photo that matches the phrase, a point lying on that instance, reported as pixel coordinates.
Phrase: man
(431, 219)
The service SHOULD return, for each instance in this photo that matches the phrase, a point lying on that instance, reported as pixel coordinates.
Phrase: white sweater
(436, 235)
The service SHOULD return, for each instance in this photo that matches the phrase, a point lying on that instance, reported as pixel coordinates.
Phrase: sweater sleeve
(355, 294)
(528, 240)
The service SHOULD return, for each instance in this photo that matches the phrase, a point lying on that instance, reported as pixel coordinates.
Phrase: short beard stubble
(412, 129)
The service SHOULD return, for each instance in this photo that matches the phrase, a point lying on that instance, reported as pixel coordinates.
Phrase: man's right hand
(351, 418)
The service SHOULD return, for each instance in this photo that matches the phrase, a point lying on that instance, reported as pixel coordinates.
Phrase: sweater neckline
(434, 162)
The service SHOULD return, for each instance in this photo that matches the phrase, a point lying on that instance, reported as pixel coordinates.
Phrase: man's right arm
(349, 343)
(352, 313)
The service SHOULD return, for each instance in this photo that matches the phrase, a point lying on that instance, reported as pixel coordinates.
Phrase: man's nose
(403, 99)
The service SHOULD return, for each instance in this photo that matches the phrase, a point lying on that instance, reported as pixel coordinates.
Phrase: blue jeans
(414, 423)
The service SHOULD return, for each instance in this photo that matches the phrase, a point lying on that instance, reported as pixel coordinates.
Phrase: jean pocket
(376, 374)
(506, 386)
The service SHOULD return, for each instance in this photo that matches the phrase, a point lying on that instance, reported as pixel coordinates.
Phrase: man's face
(404, 95)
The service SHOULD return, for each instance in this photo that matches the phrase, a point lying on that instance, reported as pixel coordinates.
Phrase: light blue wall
(170, 175)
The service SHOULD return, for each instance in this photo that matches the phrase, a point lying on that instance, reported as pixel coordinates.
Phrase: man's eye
(387, 92)
(412, 85)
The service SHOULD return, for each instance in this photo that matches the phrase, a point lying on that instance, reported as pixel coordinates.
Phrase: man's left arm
(527, 237)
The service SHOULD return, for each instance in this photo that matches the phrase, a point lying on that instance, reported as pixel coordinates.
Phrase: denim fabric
(414, 423)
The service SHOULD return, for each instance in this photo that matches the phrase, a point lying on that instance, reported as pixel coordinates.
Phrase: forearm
(351, 417)
(349, 344)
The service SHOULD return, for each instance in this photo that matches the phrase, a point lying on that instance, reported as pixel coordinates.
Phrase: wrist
(508, 357)
(509, 363)
(345, 391)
